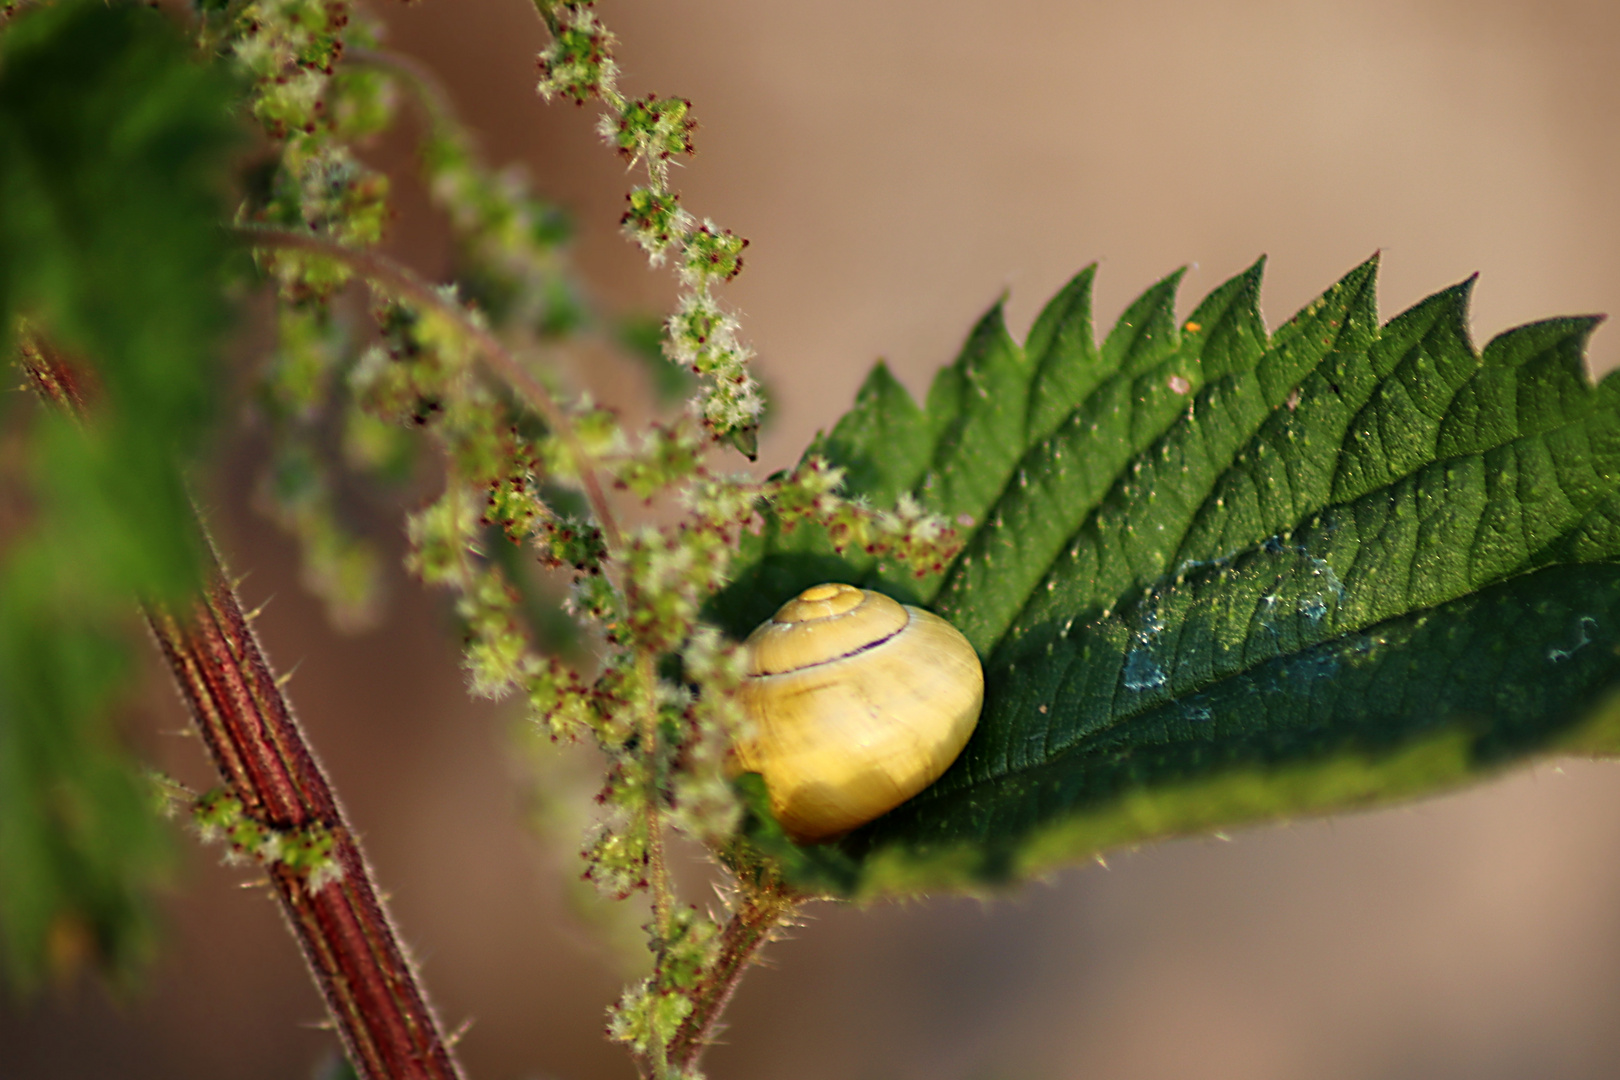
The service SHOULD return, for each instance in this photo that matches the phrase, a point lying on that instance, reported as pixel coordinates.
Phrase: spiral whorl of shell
(857, 703)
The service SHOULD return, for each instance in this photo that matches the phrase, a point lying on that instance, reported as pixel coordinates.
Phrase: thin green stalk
(657, 868)
(759, 912)
(424, 81)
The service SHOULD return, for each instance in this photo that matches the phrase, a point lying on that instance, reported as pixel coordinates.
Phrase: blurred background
(897, 166)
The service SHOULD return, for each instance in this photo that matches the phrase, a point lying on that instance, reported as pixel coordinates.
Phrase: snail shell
(857, 704)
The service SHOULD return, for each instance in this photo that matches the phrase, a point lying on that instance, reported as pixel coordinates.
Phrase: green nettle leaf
(114, 142)
(1218, 575)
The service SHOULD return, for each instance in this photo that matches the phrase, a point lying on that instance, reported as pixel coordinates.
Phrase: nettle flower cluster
(578, 66)
(322, 86)
(530, 474)
(219, 817)
(313, 110)
(661, 705)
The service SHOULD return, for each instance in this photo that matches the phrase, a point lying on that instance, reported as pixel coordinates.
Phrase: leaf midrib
(1000, 774)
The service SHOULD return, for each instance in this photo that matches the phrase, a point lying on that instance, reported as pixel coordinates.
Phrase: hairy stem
(402, 280)
(759, 912)
(658, 871)
(371, 987)
(354, 953)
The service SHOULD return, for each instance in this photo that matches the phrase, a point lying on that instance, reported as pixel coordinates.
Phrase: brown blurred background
(898, 165)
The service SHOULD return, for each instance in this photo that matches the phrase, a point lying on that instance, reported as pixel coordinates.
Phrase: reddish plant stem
(53, 379)
(750, 927)
(353, 950)
(354, 953)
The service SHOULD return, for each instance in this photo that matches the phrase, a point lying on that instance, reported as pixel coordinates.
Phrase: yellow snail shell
(857, 703)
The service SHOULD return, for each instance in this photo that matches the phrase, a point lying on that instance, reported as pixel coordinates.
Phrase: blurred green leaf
(114, 142)
(1220, 576)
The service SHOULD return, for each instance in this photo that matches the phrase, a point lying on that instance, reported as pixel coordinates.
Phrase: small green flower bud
(654, 220)
(712, 254)
(578, 63)
(652, 128)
